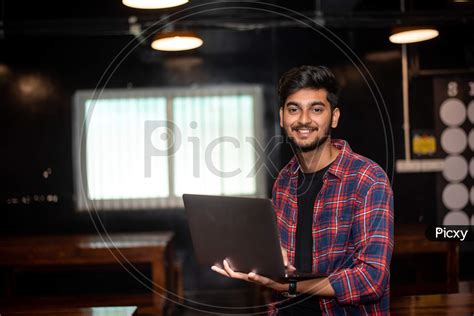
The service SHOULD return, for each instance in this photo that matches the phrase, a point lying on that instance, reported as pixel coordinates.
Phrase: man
(334, 208)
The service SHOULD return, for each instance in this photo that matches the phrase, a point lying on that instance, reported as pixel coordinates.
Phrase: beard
(315, 144)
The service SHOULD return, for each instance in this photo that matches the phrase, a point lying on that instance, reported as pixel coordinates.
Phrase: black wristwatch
(291, 289)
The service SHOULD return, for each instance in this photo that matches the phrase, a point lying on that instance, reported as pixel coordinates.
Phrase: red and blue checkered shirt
(352, 231)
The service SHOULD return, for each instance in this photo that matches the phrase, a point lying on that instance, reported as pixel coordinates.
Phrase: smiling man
(334, 209)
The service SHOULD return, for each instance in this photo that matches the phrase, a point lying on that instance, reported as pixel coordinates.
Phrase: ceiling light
(153, 4)
(176, 41)
(408, 35)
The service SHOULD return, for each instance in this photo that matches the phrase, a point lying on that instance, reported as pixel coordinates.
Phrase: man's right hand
(287, 264)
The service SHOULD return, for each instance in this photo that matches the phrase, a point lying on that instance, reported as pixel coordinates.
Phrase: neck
(318, 158)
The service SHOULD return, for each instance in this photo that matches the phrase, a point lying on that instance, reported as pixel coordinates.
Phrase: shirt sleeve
(372, 231)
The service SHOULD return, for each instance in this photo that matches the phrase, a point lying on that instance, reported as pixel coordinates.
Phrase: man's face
(307, 118)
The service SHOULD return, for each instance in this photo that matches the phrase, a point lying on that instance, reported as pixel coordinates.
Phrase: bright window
(144, 148)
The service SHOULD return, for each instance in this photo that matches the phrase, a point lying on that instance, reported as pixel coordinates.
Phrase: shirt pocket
(344, 225)
(334, 242)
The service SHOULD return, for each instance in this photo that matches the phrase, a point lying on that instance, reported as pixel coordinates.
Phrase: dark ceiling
(110, 17)
(40, 10)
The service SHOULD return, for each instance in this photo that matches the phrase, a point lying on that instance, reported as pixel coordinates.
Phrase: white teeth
(304, 131)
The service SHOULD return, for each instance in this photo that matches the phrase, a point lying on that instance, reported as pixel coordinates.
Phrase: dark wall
(39, 75)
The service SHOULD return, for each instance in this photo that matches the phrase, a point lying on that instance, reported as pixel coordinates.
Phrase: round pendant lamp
(407, 35)
(176, 41)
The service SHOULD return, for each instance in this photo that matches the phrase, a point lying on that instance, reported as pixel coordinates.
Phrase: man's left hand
(250, 277)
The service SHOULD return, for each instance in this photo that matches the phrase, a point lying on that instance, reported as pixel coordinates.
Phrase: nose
(304, 117)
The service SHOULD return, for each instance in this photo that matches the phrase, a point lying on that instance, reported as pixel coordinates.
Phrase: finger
(227, 268)
(232, 273)
(220, 271)
(290, 267)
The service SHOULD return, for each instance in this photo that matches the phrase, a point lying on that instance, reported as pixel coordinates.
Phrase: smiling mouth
(304, 131)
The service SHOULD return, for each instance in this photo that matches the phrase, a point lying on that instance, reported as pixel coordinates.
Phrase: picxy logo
(463, 233)
(459, 234)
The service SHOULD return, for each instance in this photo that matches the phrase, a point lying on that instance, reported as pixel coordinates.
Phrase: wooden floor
(79, 311)
(74, 305)
(210, 303)
(458, 304)
(443, 304)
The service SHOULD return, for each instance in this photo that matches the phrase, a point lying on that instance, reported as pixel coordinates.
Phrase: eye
(317, 110)
(292, 109)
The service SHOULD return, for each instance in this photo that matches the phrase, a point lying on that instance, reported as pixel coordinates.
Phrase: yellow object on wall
(424, 145)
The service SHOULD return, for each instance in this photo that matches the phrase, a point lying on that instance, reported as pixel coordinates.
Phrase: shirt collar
(338, 165)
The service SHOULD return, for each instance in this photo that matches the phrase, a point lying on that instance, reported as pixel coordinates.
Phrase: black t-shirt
(309, 185)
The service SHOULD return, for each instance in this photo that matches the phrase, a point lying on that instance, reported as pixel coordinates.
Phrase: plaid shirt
(352, 231)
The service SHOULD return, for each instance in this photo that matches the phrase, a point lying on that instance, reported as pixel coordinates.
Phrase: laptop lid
(242, 230)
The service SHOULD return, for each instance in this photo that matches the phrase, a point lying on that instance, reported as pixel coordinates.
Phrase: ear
(281, 116)
(335, 117)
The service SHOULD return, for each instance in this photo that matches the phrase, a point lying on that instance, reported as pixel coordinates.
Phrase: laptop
(242, 230)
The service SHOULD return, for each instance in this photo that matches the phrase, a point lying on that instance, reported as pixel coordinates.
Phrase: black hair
(312, 77)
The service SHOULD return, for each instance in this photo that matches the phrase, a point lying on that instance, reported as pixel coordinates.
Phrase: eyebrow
(312, 103)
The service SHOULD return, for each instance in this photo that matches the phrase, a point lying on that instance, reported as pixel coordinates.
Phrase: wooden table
(91, 250)
(443, 304)
(410, 239)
